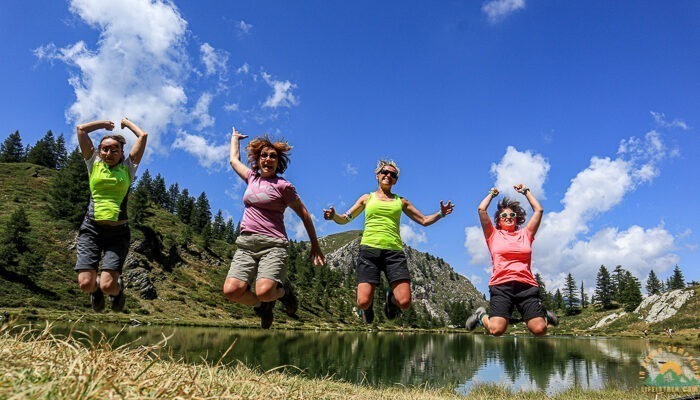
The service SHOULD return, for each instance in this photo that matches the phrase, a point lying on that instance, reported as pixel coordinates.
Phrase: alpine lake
(439, 359)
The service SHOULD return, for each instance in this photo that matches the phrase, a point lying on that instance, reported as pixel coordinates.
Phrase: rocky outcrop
(659, 307)
(434, 282)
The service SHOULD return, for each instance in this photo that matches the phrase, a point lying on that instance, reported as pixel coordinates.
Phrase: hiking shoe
(367, 315)
(391, 310)
(118, 301)
(475, 319)
(551, 318)
(97, 299)
(291, 304)
(264, 311)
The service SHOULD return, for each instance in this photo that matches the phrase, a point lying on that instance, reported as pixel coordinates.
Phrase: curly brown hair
(513, 205)
(256, 146)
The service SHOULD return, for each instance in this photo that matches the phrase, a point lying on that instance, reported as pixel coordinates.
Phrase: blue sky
(592, 104)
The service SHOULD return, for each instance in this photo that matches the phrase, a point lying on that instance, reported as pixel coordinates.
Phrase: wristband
(525, 191)
(441, 214)
(348, 216)
(493, 193)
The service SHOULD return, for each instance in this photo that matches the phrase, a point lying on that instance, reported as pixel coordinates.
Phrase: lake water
(551, 364)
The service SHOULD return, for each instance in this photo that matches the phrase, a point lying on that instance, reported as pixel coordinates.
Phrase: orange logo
(670, 369)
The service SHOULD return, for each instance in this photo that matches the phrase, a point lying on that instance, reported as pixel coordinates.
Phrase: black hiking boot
(475, 319)
(551, 318)
(118, 301)
(97, 298)
(291, 304)
(367, 315)
(391, 310)
(264, 311)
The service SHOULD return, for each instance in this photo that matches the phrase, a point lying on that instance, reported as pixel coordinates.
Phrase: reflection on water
(457, 360)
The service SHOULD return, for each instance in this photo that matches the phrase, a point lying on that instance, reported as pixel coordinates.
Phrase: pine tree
(202, 213)
(584, 298)
(70, 190)
(159, 194)
(219, 226)
(139, 205)
(184, 206)
(17, 231)
(570, 295)
(618, 278)
(146, 184)
(44, 152)
(631, 294)
(12, 150)
(61, 154)
(654, 285)
(230, 232)
(676, 281)
(558, 300)
(603, 288)
(206, 236)
(173, 196)
(544, 295)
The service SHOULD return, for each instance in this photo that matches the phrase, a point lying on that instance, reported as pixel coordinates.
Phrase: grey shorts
(94, 240)
(259, 256)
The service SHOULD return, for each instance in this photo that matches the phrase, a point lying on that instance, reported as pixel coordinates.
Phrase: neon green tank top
(109, 188)
(382, 223)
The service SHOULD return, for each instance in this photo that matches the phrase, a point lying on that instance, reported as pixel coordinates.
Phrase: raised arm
(534, 224)
(139, 147)
(300, 209)
(486, 224)
(425, 220)
(86, 145)
(349, 215)
(235, 154)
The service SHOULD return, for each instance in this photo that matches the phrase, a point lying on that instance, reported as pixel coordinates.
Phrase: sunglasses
(390, 173)
(508, 215)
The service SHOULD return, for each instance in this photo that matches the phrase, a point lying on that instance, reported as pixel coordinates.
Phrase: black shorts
(525, 297)
(95, 239)
(372, 261)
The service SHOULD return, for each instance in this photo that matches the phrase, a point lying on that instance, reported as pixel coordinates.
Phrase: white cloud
(411, 236)
(520, 167)
(137, 69)
(243, 69)
(660, 119)
(231, 107)
(282, 96)
(208, 155)
(562, 244)
(497, 10)
(244, 28)
(350, 169)
(214, 60)
(200, 112)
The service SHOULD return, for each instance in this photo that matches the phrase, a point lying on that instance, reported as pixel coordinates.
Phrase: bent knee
(364, 303)
(403, 303)
(234, 290)
(539, 331)
(497, 331)
(87, 285)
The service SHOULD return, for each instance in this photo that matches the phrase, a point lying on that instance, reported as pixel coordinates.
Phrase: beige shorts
(259, 256)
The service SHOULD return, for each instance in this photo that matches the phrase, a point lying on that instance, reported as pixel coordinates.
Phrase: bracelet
(348, 216)
(525, 191)
(493, 193)
(441, 214)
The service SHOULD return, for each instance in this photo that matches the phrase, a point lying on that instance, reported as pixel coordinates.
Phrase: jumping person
(105, 229)
(261, 257)
(381, 248)
(512, 283)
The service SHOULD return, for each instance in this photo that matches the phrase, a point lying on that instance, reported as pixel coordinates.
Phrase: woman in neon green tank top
(104, 234)
(381, 248)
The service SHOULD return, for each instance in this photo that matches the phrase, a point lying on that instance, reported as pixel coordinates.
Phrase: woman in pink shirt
(512, 283)
(261, 257)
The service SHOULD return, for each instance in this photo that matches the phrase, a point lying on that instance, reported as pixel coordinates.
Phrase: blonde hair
(383, 163)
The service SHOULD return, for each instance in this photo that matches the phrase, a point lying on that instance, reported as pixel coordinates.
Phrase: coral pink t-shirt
(265, 200)
(511, 253)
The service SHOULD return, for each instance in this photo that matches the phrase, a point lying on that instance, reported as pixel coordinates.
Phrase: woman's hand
(328, 214)
(520, 188)
(237, 135)
(494, 192)
(446, 209)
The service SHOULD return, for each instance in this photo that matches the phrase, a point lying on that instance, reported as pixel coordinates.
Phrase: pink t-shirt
(265, 200)
(511, 253)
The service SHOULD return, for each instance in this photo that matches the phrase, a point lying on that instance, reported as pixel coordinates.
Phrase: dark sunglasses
(271, 156)
(390, 173)
(508, 215)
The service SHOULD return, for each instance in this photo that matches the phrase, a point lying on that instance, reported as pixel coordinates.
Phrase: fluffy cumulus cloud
(564, 241)
(137, 69)
(412, 236)
(282, 95)
(520, 167)
(209, 155)
(497, 10)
